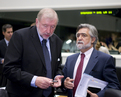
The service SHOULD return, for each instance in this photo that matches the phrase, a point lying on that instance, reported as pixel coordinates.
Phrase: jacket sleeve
(13, 60)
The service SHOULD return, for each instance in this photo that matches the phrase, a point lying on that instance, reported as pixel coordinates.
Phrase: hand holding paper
(88, 81)
(92, 94)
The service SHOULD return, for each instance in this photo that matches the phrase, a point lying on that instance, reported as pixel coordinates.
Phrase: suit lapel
(53, 51)
(92, 62)
(37, 44)
(73, 62)
(4, 44)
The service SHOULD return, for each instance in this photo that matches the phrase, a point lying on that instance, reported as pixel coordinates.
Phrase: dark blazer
(24, 59)
(100, 66)
(3, 47)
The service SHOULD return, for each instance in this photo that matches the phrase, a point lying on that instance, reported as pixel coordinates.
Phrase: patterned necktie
(47, 92)
(78, 74)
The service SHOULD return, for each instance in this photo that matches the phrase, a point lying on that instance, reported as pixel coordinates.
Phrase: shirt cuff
(33, 82)
(1, 61)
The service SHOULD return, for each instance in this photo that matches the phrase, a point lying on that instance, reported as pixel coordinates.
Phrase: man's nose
(48, 29)
(11, 33)
(80, 37)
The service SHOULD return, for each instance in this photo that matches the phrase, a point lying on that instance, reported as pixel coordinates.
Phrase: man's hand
(2, 61)
(68, 83)
(92, 94)
(43, 82)
(58, 79)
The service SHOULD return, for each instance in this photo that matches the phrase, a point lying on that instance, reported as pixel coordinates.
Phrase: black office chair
(118, 72)
(112, 93)
(3, 93)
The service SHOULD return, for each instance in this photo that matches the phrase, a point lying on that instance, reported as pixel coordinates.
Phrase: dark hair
(4, 27)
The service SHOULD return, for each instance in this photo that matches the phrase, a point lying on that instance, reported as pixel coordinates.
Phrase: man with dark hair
(7, 31)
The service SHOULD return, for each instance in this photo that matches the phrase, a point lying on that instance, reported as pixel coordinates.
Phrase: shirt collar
(88, 53)
(6, 41)
(40, 37)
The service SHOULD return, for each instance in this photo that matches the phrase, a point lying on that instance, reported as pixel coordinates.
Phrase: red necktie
(78, 74)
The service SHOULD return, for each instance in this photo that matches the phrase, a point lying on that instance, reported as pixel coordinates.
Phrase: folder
(93, 90)
(89, 82)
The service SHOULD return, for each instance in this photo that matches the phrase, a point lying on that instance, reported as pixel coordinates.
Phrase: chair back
(3, 93)
(112, 93)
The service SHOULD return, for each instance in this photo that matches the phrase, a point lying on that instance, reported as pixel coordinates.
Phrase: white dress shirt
(86, 60)
(6, 41)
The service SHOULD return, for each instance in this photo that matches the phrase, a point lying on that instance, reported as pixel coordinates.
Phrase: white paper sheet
(85, 82)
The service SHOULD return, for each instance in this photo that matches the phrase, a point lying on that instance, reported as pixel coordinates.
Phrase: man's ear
(3, 33)
(37, 20)
(93, 39)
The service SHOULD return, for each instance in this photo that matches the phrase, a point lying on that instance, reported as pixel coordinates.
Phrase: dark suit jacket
(3, 47)
(100, 66)
(24, 59)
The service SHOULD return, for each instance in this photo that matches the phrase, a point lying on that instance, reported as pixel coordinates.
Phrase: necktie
(78, 74)
(47, 92)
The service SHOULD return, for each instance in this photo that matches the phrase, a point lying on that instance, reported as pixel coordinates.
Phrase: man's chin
(79, 48)
(46, 37)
